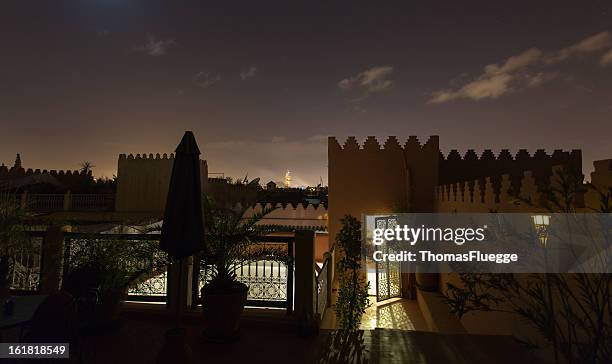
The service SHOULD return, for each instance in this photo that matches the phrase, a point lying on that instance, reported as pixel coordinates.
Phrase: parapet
(5, 173)
(470, 166)
(391, 144)
(289, 215)
(146, 156)
(503, 193)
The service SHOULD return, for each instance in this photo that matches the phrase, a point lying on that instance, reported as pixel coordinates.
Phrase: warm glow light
(541, 222)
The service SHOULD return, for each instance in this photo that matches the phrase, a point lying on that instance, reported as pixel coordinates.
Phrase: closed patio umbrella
(183, 229)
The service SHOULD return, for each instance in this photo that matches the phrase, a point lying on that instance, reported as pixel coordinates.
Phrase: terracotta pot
(108, 309)
(222, 311)
(103, 315)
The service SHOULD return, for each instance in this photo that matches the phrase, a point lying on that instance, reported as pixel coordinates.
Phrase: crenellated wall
(289, 215)
(373, 178)
(143, 180)
(497, 193)
(481, 195)
(72, 180)
(470, 166)
(601, 179)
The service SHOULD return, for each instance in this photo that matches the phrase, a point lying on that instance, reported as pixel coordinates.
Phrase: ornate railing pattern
(25, 267)
(153, 289)
(270, 282)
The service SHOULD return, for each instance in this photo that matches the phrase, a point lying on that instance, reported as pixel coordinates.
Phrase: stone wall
(377, 179)
(75, 181)
(143, 180)
(456, 168)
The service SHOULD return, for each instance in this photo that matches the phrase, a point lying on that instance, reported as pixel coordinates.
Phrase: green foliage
(579, 320)
(573, 311)
(115, 265)
(13, 233)
(353, 291)
(230, 242)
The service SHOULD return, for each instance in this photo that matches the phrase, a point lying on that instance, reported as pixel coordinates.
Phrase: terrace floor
(396, 313)
(400, 346)
(140, 342)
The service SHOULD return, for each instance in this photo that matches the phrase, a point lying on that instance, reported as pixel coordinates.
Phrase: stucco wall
(142, 181)
(375, 179)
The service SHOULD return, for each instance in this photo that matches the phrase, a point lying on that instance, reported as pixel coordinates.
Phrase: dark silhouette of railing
(270, 279)
(24, 275)
(54, 202)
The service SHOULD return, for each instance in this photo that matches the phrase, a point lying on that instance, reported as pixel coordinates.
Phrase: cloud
(606, 59)
(204, 79)
(540, 78)
(597, 42)
(249, 73)
(525, 70)
(373, 80)
(156, 47)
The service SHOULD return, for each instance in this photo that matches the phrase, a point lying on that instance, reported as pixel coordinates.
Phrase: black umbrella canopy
(183, 229)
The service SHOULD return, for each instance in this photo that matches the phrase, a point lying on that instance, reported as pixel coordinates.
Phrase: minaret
(288, 179)
(17, 165)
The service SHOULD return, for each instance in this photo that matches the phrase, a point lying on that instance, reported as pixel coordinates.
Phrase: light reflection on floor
(397, 313)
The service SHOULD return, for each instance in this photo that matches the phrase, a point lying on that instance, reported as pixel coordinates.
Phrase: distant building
(17, 164)
(288, 179)
(270, 186)
(17, 179)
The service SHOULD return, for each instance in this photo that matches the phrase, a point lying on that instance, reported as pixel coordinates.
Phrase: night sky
(262, 84)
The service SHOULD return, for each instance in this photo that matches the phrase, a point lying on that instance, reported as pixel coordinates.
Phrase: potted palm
(107, 268)
(230, 239)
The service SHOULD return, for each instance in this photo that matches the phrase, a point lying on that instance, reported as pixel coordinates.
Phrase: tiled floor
(396, 313)
(399, 346)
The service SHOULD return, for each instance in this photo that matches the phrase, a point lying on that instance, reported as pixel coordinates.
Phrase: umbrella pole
(178, 294)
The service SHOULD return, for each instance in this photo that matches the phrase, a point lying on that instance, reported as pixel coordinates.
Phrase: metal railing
(43, 202)
(152, 286)
(270, 281)
(92, 202)
(55, 202)
(26, 264)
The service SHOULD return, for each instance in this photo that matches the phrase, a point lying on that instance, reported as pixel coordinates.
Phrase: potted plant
(229, 243)
(107, 269)
(353, 286)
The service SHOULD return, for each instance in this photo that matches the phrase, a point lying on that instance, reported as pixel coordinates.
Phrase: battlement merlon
(371, 143)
